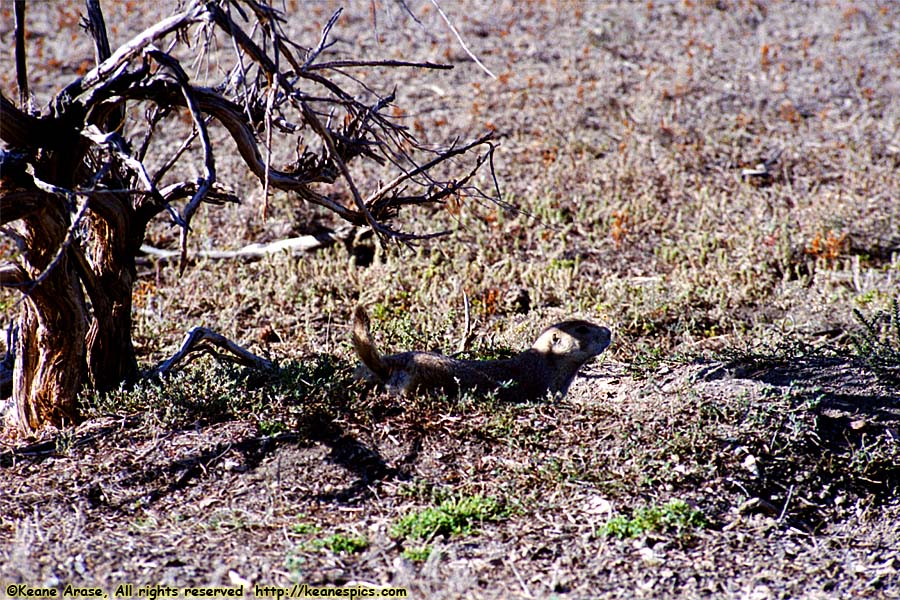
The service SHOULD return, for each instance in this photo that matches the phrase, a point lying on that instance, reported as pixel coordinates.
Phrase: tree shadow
(315, 403)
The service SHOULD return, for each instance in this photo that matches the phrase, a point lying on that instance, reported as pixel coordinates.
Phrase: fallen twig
(201, 339)
(294, 246)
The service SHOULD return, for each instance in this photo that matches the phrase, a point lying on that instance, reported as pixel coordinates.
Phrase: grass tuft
(455, 516)
(207, 392)
(417, 554)
(341, 543)
(675, 515)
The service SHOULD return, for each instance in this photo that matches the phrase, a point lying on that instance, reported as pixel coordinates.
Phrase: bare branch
(338, 64)
(271, 19)
(230, 116)
(461, 42)
(21, 64)
(132, 48)
(157, 177)
(257, 55)
(323, 42)
(97, 27)
(326, 136)
(451, 189)
(217, 194)
(209, 175)
(13, 275)
(153, 117)
(393, 184)
(411, 14)
(334, 154)
(20, 198)
(21, 130)
(201, 339)
(115, 143)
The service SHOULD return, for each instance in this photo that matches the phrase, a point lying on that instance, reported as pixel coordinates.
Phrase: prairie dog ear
(555, 341)
(560, 342)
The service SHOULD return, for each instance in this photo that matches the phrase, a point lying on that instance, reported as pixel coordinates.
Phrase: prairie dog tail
(362, 343)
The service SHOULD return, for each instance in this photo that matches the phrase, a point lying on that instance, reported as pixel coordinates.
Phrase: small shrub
(209, 392)
(878, 343)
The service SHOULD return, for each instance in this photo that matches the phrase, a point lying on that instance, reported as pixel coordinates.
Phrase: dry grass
(733, 383)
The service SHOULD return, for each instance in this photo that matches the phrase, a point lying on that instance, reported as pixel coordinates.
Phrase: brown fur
(549, 366)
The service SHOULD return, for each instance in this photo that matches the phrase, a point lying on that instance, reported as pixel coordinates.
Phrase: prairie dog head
(578, 340)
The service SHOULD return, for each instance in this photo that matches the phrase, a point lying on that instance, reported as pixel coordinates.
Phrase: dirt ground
(739, 381)
(127, 501)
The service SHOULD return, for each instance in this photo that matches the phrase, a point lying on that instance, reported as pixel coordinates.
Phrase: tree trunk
(110, 352)
(49, 363)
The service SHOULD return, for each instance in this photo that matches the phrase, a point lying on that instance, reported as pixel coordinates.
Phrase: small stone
(750, 464)
(648, 556)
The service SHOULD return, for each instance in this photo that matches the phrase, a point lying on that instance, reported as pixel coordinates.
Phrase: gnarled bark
(110, 351)
(48, 370)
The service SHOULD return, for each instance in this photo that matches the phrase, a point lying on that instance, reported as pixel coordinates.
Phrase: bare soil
(128, 501)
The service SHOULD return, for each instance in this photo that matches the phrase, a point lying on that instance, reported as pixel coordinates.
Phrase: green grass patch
(675, 515)
(417, 554)
(304, 527)
(455, 516)
(341, 543)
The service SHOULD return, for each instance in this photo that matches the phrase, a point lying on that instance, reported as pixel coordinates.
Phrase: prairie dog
(549, 366)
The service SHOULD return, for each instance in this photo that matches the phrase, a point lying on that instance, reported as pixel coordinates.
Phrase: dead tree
(77, 194)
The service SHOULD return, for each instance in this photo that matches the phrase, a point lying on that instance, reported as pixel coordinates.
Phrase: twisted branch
(203, 340)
